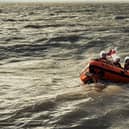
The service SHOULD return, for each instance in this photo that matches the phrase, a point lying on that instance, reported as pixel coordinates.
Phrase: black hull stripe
(110, 71)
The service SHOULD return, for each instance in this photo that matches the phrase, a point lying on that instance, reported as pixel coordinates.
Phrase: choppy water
(43, 49)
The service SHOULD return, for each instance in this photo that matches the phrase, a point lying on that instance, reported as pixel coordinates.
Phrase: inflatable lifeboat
(99, 70)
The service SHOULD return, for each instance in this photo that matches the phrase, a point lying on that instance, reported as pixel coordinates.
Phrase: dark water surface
(43, 49)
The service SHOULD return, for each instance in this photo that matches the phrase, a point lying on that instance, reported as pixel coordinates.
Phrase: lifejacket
(117, 64)
(102, 60)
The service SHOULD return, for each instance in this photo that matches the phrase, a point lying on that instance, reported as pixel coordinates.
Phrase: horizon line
(66, 2)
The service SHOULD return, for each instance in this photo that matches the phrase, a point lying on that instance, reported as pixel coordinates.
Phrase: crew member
(126, 63)
(103, 56)
(116, 61)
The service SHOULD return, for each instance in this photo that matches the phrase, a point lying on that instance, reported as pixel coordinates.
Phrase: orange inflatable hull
(99, 70)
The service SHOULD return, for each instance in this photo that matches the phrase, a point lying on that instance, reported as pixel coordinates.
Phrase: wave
(42, 51)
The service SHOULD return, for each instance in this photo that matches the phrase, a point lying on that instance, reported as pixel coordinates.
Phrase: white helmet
(116, 58)
(126, 58)
(102, 54)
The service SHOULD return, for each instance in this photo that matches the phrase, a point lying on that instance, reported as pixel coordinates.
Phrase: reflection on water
(43, 49)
